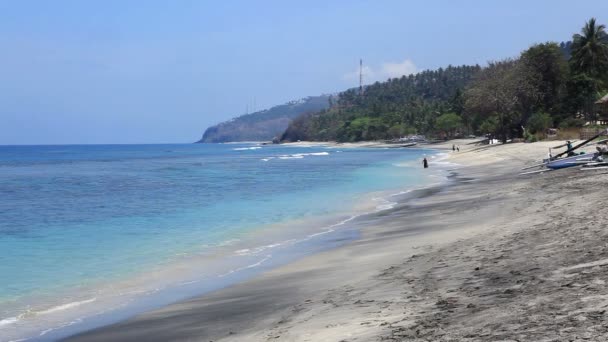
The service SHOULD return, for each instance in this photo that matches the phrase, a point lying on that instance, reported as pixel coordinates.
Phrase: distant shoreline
(425, 270)
(273, 282)
(69, 312)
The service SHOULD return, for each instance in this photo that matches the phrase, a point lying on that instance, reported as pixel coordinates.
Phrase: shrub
(571, 122)
(449, 122)
(539, 122)
(489, 126)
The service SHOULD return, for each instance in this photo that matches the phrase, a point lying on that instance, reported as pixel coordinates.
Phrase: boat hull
(566, 162)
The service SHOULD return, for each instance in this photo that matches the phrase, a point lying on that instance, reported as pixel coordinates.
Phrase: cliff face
(263, 125)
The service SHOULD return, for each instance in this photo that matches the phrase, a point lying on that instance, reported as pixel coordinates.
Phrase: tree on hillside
(546, 70)
(539, 122)
(582, 92)
(449, 123)
(590, 51)
(409, 104)
(499, 91)
(489, 126)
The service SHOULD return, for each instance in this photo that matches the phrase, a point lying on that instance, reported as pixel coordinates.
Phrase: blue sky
(119, 71)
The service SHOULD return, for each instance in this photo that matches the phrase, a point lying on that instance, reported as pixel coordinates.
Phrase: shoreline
(189, 289)
(359, 227)
(477, 260)
(401, 197)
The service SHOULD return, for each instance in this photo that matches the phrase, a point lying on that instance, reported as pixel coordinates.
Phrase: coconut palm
(590, 51)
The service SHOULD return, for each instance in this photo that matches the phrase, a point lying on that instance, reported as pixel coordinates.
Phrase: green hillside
(547, 85)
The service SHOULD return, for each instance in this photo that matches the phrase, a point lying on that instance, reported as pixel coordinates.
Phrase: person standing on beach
(453, 147)
(425, 163)
(569, 147)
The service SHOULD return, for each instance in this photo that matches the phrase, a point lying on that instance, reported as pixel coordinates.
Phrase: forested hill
(387, 110)
(549, 85)
(263, 125)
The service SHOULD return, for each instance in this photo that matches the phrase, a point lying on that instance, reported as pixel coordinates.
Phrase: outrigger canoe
(568, 162)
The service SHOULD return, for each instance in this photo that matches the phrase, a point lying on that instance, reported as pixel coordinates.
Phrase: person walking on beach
(458, 148)
(453, 147)
(425, 163)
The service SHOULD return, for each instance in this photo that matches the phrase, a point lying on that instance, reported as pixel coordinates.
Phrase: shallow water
(86, 230)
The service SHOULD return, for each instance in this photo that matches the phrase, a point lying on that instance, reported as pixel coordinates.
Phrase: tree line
(548, 85)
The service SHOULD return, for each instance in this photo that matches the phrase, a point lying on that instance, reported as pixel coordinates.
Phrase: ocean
(94, 234)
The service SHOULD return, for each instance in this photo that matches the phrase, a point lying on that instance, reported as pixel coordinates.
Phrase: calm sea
(92, 234)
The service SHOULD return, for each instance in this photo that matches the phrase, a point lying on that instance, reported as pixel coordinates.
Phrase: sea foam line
(29, 313)
(256, 250)
(66, 306)
(246, 267)
(9, 320)
(247, 148)
(296, 155)
(44, 332)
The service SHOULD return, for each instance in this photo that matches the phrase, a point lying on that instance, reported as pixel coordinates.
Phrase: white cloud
(393, 70)
(383, 72)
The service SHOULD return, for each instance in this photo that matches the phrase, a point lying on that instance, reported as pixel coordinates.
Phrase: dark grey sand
(498, 257)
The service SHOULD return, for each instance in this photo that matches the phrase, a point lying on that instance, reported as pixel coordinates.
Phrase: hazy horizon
(110, 72)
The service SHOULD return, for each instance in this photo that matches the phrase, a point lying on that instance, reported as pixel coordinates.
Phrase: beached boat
(568, 162)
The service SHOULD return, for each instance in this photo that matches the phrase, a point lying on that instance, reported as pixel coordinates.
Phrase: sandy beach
(490, 256)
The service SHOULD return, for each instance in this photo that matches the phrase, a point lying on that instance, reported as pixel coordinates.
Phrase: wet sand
(494, 256)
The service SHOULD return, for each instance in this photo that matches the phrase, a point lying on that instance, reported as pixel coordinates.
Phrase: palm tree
(590, 51)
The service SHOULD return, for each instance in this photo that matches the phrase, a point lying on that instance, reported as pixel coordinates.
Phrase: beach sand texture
(493, 256)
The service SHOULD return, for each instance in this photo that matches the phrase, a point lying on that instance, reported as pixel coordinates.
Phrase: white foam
(257, 250)
(401, 193)
(228, 242)
(344, 221)
(295, 156)
(386, 204)
(302, 155)
(257, 263)
(29, 313)
(319, 233)
(291, 157)
(246, 148)
(8, 321)
(330, 228)
(66, 306)
(189, 282)
(44, 332)
(246, 267)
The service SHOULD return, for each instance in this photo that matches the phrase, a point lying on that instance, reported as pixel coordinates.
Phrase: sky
(152, 71)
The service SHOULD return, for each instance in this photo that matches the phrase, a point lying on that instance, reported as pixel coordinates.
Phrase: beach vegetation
(548, 85)
(571, 123)
(539, 122)
(590, 51)
(449, 123)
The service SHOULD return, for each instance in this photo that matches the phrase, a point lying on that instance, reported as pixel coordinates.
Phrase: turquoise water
(79, 224)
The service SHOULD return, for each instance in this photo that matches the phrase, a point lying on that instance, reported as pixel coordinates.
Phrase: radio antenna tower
(360, 76)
